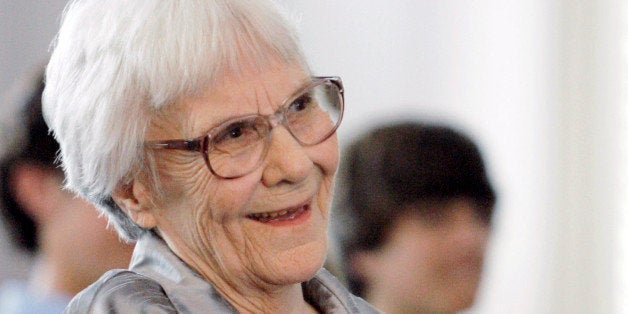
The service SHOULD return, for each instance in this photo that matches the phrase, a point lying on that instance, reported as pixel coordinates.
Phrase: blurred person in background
(71, 244)
(414, 215)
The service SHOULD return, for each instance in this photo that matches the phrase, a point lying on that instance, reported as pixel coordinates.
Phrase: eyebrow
(304, 82)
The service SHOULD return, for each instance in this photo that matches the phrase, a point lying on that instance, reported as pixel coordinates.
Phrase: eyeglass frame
(201, 144)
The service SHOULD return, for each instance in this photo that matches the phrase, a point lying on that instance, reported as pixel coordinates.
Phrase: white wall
(539, 84)
(26, 30)
(592, 269)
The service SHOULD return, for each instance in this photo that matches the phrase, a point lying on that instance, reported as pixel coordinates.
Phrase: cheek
(184, 189)
(225, 200)
(196, 200)
(178, 171)
(329, 158)
(325, 157)
(414, 255)
(185, 180)
(418, 256)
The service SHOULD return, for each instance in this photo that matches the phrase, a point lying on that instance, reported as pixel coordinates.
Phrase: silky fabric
(159, 282)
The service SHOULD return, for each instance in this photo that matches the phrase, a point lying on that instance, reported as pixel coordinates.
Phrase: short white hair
(116, 63)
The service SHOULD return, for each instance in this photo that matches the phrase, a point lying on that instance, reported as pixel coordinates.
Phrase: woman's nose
(286, 160)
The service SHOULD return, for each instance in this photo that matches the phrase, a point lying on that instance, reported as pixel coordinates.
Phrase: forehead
(247, 92)
(261, 87)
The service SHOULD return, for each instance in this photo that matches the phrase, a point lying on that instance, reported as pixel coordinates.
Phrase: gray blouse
(159, 282)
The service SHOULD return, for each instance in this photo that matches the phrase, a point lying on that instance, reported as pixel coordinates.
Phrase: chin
(302, 264)
(461, 302)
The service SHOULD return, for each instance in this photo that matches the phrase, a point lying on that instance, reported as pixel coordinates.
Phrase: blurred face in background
(77, 236)
(94, 247)
(75, 246)
(431, 261)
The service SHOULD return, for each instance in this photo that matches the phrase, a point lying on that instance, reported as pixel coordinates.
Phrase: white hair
(116, 63)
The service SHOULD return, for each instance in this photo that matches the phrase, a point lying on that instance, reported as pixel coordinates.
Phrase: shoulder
(122, 291)
(361, 306)
(328, 294)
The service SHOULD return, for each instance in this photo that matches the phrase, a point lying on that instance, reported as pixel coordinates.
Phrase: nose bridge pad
(286, 156)
(276, 119)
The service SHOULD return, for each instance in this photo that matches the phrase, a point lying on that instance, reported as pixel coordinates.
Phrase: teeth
(267, 216)
(281, 213)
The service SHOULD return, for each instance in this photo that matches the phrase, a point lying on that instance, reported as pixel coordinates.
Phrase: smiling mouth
(282, 215)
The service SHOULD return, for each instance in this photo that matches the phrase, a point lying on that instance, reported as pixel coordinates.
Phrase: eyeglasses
(238, 146)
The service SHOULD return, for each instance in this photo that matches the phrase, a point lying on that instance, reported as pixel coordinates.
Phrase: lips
(281, 215)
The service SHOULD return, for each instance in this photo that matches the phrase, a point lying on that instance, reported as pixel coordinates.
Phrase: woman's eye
(235, 132)
(301, 103)
(232, 131)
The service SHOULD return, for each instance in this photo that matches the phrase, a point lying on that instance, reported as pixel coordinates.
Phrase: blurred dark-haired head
(35, 146)
(405, 167)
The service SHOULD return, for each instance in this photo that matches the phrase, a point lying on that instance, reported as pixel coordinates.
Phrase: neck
(247, 294)
(253, 296)
(288, 299)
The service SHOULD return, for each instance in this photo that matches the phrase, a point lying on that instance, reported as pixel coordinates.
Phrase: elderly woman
(197, 128)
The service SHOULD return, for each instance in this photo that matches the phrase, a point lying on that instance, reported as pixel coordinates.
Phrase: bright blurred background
(542, 86)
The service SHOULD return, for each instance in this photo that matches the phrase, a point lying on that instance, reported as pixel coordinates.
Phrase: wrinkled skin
(258, 267)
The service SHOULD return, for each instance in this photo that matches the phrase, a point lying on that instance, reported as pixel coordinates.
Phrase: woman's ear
(136, 201)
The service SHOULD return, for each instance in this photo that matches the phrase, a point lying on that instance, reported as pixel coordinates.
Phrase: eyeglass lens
(237, 147)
